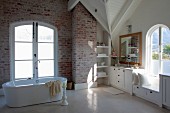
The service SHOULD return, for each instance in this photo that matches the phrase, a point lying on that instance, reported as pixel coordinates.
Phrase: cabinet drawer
(120, 77)
(153, 96)
(120, 71)
(139, 91)
(112, 80)
(112, 69)
(119, 83)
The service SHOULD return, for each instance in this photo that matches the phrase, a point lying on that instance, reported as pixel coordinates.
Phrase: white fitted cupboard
(165, 89)
(121, 78)
(147, 94)
(128, 80)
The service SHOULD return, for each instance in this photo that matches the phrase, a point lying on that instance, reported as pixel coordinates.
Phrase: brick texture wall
(53, 12)
(84, 27)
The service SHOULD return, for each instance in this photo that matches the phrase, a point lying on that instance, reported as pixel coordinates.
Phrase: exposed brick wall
(84, 28)
(53, 12)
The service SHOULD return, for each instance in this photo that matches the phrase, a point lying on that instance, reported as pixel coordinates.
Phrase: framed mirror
(130, 50)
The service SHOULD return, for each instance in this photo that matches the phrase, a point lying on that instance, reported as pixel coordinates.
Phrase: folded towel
(136, 79)
(55, 87)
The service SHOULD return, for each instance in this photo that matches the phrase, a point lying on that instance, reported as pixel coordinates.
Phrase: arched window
(33, 50)
(158, 50)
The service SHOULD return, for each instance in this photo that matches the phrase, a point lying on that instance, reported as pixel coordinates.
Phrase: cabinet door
(166, 91)
(128, 80)
(139, 91)
(112, 77)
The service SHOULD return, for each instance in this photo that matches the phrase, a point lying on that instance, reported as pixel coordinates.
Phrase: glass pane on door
(45, 34)
(24, 33)
(23, 69)
(166, 50)
(23, 51)
(45, 51)
(155, 52)
(46, 68)
(166, 44)
(155, 45)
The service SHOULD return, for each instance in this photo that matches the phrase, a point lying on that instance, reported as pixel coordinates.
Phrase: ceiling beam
(97, 16)
(123, 16)
(72, 4)
(107, 15)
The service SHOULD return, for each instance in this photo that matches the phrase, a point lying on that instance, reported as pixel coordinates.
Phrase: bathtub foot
(64, 101)
(64, 98)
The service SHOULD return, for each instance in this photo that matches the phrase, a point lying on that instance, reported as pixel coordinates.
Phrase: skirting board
(1, 92)
(85, 85)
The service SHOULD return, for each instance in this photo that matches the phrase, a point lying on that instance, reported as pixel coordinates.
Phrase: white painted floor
(90, 101)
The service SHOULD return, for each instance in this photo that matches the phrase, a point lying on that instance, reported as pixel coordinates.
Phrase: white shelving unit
(103, 53)
(101, 66)
(102, 46)
(102, 76)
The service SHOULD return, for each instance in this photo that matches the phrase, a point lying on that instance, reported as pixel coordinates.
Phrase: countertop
(129, 68)
(165, 74)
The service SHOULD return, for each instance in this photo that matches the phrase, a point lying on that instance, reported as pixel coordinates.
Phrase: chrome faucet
(35, 63)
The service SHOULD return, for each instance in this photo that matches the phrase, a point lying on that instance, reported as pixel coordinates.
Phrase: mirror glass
(131, 49)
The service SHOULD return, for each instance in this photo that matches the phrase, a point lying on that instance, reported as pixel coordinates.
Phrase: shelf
(101, 66)
(103, 47)
(134, 56)
(123, 56)
(132, 47)
(131, 56)
(102, 76)
(114, 56)
(102, 56)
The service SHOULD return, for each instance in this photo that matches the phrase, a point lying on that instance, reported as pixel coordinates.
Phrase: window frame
(148, 55)
(12, 47)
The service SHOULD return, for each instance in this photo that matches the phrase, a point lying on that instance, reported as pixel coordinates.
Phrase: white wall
(148, 14)
(99, 32)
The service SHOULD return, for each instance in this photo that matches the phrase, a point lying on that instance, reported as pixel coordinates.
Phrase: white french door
(45, 51)
(33, 47)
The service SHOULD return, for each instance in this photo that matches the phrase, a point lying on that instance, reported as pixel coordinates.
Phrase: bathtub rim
(6, 84)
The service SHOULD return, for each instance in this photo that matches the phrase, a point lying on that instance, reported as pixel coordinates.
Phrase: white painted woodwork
(128, 80)
(139, 91)
(111, 14)
(98, 17)
(123, 16)
(147, 94)
(103, 37)
(166, 90)
(114, 7)
(121, 78)
(72, 4)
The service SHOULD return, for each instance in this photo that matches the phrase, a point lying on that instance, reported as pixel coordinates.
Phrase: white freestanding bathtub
(28, 92)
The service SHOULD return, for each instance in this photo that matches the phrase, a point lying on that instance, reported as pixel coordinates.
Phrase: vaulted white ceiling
(111, 14)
